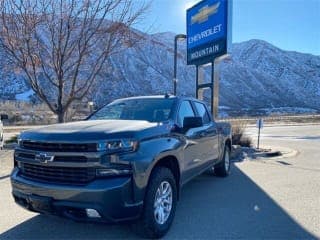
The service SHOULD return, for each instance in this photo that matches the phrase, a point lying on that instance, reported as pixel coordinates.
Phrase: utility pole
(176, 39)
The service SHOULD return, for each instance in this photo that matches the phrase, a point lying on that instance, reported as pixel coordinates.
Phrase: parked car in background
(1, 135)
(2, 117)
(127, 161)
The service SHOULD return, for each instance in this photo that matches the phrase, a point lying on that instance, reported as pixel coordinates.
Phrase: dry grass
(21, 113)
(13, 139)
(27, 113)
(238, 134)
(291, 119)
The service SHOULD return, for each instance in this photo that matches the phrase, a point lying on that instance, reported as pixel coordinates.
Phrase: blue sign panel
(207, 31)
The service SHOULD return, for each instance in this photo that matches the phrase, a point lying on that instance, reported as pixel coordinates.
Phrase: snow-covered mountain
(258, 79)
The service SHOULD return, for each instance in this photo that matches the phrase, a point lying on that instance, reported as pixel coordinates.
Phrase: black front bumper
(111, 198)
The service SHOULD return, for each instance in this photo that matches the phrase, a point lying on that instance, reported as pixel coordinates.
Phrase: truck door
(192, 150)
(209, 140)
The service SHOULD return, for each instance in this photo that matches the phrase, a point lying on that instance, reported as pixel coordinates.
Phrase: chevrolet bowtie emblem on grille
(44, 157)
(204, 13)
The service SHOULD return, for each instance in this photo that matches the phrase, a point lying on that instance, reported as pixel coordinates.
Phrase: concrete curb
(236, 151)
(241, 153)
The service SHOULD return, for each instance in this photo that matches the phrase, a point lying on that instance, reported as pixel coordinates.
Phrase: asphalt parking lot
(275, 198)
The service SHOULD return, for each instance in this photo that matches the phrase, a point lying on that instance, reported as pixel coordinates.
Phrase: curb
(241, 153)
(236, 151)
(273, 154)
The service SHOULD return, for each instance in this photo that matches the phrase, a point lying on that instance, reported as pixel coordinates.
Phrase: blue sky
(288, 24)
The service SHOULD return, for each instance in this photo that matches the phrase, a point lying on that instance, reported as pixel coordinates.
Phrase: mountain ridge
(258, 79)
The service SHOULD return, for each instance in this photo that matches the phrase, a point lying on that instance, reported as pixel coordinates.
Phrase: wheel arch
(172, 163)
(228, 143)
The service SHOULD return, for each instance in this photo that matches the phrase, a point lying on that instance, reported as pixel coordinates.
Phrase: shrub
(13, 139)
(238, 134)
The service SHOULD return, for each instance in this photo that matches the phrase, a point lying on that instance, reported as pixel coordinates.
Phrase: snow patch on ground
(290, 110)
(25, 96)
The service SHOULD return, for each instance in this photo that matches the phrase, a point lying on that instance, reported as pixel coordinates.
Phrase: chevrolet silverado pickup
(127, 161)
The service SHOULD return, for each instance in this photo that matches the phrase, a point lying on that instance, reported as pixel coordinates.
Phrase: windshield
(147, 109)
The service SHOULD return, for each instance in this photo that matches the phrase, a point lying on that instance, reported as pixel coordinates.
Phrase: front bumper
(112, 198)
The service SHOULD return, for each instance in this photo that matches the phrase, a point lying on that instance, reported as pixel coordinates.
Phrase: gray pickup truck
(127, 161)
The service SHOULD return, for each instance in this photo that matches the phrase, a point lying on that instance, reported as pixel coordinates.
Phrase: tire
(222, 169)
(1, 142)
(152, 224)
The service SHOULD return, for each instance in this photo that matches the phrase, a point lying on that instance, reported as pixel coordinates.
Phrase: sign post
(259, 126)
(208, 37)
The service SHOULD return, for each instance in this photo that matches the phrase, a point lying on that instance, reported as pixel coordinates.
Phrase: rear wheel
(1, 141)
(159, 205)
(222, 169)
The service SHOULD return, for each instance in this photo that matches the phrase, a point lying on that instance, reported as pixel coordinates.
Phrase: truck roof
(160, 97)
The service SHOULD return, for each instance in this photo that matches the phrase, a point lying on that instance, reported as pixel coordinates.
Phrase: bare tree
(61, 45)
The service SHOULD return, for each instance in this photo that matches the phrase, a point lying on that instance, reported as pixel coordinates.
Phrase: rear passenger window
(185, 111)
(201, 109)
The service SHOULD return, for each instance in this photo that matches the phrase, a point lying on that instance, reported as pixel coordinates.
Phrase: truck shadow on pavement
(209, 208)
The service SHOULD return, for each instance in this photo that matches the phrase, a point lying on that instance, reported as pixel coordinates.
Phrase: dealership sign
(208, 31)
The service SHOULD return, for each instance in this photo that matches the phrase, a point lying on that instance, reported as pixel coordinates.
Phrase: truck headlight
(121, 145)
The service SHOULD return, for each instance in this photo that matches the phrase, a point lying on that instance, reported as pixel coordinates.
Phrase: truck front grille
(59, 147)
(57, 175)
(75, 159)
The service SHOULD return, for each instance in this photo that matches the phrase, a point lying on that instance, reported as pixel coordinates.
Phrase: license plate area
(39, 203)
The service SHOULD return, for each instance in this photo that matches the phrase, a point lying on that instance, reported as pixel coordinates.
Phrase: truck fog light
(91, 213)
(106, 172)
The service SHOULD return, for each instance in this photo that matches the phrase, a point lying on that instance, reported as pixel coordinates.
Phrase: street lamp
(91, 106)
(176, 38)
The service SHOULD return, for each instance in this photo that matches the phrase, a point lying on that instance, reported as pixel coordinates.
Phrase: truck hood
(95, 130)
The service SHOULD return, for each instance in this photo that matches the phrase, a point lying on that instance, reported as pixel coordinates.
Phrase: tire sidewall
(160, 175)
(220, 168)
(227, 150)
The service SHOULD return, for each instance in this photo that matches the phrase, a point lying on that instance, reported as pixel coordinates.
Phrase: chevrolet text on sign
(207, 31)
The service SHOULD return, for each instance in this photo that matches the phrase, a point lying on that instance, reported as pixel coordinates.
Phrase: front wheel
(222, 169)
(159, 206)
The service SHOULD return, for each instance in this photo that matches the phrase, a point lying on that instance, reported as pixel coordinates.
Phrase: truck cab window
(202, 111)
(185, 111)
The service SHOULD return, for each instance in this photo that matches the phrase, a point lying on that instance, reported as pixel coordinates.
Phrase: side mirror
(4, 117)
(192, 122)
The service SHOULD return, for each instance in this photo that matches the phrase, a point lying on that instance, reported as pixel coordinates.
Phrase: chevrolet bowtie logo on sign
(204, 13)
